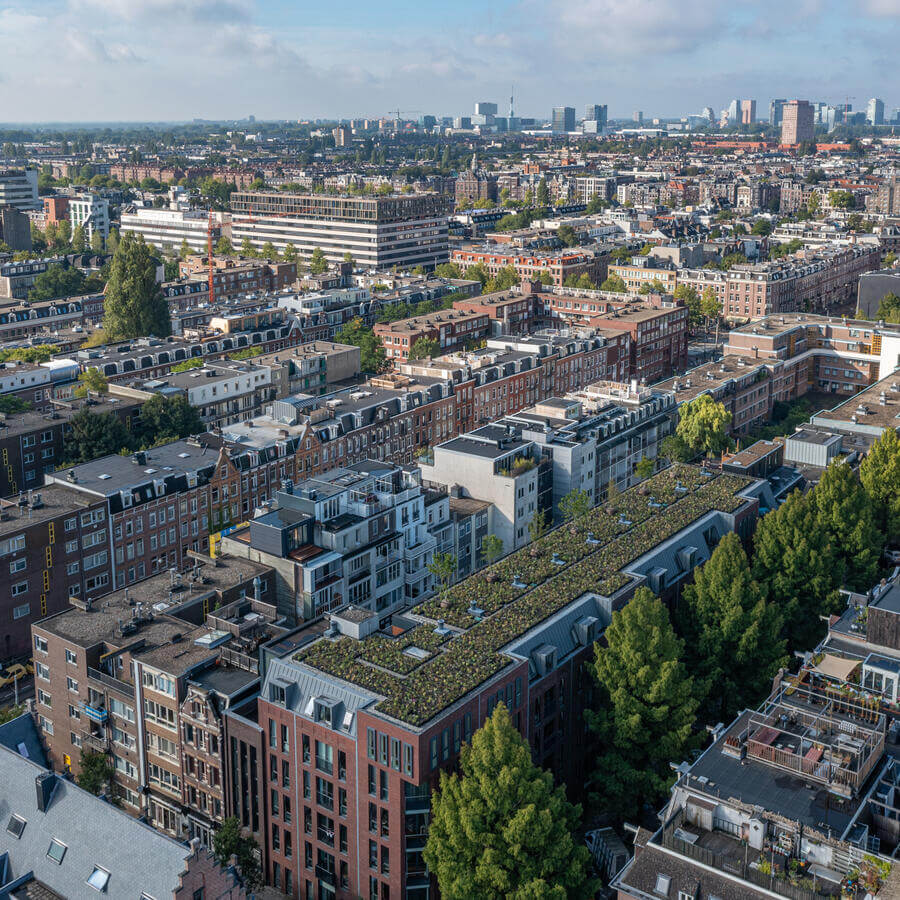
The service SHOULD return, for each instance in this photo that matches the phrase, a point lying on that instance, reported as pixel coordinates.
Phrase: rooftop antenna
(511, 105)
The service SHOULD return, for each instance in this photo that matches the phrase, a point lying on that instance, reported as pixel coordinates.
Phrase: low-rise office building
(168, 229)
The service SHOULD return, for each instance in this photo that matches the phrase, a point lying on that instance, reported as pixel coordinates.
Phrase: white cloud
(882, 8)
(197, 10)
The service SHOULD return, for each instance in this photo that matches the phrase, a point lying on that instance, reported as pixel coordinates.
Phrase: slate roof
(95, 833)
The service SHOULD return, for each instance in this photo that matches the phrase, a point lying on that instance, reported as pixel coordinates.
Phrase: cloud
(886, 9)
(14, 22)
(195, 10)
(89, 48)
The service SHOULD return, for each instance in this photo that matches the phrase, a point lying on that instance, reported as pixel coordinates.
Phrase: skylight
(99, 879)
(103, 477)
(662, 885)
(16, 826)
(56, 851)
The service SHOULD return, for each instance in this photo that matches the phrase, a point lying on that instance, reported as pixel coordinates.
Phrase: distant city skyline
(138, 60)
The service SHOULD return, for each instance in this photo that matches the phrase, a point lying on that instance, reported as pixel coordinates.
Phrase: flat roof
(867, 408)
(56, 499)
(31, 420)
(710, 375)
(470, 651)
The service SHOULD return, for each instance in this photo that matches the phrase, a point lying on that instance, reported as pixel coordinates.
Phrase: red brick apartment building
(513, 313)
(530, 265)
(146, 675)
(451, 328)
(658, 327)
(813, 281)
(234, 277)
(357, 758)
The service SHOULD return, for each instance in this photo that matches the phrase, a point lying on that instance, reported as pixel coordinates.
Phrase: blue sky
(70, 60)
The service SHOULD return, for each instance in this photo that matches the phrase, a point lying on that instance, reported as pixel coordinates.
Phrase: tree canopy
(134, 304)
(646, 709)
(229, 841)
(703, 425)
(732, 635)
(500, 830)
(371, 349)
(879, 473)
(424, 348)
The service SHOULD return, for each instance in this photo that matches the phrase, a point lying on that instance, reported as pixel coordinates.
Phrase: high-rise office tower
(483, 108)
(638, 116)
(594, 112)
(563, 118)
(797, 123)
(748, 112)
(734, 112)
(776, 112)
(875, 112)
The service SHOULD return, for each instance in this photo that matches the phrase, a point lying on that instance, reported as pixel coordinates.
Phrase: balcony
(99, 743)
(108, 681)
(95, 713)
(772, 871)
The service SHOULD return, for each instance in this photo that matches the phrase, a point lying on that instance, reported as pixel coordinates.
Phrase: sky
(170, 60)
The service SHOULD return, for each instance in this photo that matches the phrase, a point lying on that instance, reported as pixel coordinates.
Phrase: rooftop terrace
(480, 616)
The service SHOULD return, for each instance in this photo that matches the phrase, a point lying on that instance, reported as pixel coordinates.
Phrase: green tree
(355, 332)
(64, 233)
(223, 247)
(448, 270)
(709, 303)
(732, 635)
(229, 841)
(184, 251)
(761, 227)
(539, 525)
(585, 283)
(10, 713)
(97, 241)
(424, 348)
(674, 449)
(566, 233)
(96, 771)
(318, 263)
(491, 548)
(652, 287)
(703, 425)
(57, 282)
(79, 243)
(880, 476)
(112, 241)
(846, 518)
(290, 253)
(478, 272)
(575, 504)
(247, 249)
(443, 568)
(268, 251)
(797, 568)
(543, 193)
(691, 299)
(134, 304)
(644, 468)
(595, 205)
(813, 205)
(646, 710)
(92, 435)
(889, 308)
(614, 283)
(841, 199)
(889, 260)
(91, 380)
(165, 419)
(499, 828)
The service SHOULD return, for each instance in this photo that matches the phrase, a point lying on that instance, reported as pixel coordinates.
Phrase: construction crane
(397, 113)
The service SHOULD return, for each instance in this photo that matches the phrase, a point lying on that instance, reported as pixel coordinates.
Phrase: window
(40, 644)
(71, 657)
(20, 588)
(15, 826)
(44, 698)
(56, 851)
(18, 565)
(72, 685)
(324, 757)
(98, 879)
(19, 612)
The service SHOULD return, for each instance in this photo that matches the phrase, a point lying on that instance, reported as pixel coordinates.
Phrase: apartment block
(560, 265)
(453, 329)
(19, 188)
(814, 281)
(91, 213)
(236, 277)
(54, 544)
(363, 748)
(356, 535)
(143, 677)
(167, 229)
(379, 232)
(797, 123)
(31, 443)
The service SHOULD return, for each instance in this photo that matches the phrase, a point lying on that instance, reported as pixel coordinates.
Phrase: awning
(836, 667)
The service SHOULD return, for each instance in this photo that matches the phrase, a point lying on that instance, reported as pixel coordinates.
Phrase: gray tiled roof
(95, 833)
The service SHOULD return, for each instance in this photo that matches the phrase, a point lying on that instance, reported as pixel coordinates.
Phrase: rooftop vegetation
(519, 592)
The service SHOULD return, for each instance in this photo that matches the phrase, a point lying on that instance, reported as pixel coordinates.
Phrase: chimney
(44, 784)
